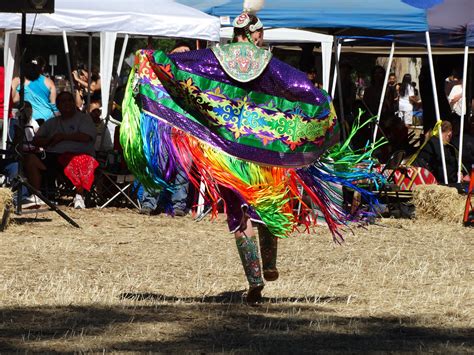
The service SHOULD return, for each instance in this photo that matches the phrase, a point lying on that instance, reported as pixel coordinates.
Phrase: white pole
(122, 55)
(107, 48)
(326, 51)
(9, 62)
(435, 96)
(463, 110)
(202, 191)
(384, 89)
(68, 61)
(334, 79)
(89, 74)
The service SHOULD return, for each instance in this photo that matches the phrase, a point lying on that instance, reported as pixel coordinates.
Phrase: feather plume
(253, 5)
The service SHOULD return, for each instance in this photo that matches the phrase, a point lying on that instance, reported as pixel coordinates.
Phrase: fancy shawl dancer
(250, 127)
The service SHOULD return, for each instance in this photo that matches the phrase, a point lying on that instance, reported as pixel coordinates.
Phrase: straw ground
(131, 283)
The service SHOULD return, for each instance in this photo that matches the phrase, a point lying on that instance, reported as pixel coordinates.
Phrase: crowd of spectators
(65, 138)
(403, 122)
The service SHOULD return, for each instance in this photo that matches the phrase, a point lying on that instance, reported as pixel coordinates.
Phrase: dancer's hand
(244, 221)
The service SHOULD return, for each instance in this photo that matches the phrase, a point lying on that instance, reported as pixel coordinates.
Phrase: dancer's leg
(268, 249)
(248, 251)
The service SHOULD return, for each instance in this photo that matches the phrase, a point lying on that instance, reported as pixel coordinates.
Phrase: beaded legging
(248, 251)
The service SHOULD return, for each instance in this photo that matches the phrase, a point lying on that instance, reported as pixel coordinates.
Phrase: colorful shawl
(260, 137)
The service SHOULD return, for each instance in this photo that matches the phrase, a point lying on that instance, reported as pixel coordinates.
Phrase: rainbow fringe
(153, 149)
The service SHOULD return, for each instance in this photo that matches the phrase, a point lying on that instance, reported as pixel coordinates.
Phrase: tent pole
(9, 62)
(340, 117)
(89, 73)
(68, 61)
(107, 49)
(326, 52)
(435, 97)
(463, 110)
(337, 49)
(384, 90)
(122, 56)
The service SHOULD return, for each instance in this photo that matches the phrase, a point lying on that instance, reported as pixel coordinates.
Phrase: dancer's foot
(254, 295)
(270, 274)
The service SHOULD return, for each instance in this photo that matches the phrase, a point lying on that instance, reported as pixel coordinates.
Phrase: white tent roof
(285, 35)
(138, 17)
(163, 18)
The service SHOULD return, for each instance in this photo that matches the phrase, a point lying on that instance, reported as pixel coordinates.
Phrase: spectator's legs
(180, 197)
(53, 169)
(33, 170)
(164, 201)
(11, 172)
(149, 201)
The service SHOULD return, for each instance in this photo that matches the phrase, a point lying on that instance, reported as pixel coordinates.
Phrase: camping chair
(392, 164)
(392, 194)
(115, 183)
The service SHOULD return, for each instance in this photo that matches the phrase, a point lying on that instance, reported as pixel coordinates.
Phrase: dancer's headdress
(244, 20)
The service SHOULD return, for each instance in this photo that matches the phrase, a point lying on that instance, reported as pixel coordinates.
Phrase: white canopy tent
(291, 35)
(164, 18)
(141, 17)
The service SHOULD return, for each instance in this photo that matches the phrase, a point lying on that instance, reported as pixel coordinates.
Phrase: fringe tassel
(264, 188)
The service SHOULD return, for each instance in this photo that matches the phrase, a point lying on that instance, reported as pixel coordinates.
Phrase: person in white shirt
(406, 99)
(455, 99)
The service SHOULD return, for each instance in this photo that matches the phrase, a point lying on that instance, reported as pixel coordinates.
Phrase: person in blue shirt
(40, 91)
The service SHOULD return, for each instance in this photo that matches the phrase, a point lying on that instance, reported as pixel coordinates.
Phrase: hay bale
(6, 201)
(5, 198)
(438, 202)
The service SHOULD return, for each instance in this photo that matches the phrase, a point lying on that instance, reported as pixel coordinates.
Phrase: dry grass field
(131, 283)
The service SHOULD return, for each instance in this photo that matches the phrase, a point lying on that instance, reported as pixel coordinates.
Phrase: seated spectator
(430, 156)
(69, 143)
(40, 91)
(24, 128)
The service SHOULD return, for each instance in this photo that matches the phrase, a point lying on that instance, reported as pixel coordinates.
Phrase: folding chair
(118, 186)
(396, 198)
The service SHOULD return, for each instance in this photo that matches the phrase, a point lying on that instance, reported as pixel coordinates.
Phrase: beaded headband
(243, 20)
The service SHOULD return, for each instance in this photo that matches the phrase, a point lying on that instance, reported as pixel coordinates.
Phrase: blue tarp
(470, 34)
(448, 23)
(451, 24)
(387, 15)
